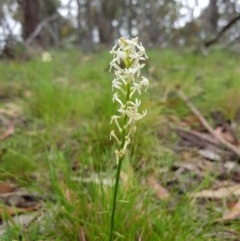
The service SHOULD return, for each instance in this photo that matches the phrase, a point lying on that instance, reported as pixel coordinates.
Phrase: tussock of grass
(64, 130)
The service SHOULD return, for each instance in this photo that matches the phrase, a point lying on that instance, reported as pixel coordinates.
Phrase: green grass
(62, 139)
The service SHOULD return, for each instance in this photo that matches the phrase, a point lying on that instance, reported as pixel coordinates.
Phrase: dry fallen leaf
(225, 131)
(7, 187)
(223, 192)
(10, 211)
(8, 132)
(23, 220)
(15, 201)
(159, 190)
(233, 214)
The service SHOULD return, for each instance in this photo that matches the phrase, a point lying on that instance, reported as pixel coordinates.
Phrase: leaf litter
(17, 206)
(214, 151)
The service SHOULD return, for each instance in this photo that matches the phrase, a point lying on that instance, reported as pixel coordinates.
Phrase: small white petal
(114, 119)
(116, 98)
(112, 134)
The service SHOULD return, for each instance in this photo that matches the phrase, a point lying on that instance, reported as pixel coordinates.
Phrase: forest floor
(181, 179)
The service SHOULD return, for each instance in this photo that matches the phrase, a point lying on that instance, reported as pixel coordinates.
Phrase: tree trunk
(213, 16)
(105, 15)
(31, 16)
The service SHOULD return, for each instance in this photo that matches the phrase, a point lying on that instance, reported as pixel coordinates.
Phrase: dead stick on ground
(206, 124)
(8, 132)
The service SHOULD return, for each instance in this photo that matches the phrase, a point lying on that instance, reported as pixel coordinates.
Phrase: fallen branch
(197, 139)
(204, 122)
(39, 27)
(205, 145)
(222, 31)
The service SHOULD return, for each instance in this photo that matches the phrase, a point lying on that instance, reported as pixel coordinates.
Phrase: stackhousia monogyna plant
(128, 60)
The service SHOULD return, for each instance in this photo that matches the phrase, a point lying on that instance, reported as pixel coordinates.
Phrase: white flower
(132, 114)
(116, 98)
(115, 118)
(138, 86)
(46, 57)
(112, 134)
(128, 60)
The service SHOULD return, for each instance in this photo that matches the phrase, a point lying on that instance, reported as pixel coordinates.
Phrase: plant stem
(114, 203)
(119, 165)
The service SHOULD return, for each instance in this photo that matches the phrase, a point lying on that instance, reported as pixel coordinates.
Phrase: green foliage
(61, 143)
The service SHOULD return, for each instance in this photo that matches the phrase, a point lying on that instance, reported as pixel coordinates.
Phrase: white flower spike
(128, 60)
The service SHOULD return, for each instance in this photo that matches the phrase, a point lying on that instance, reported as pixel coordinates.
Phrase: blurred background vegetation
(91, 23)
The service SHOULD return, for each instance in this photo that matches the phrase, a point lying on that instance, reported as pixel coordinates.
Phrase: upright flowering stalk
(128, 60)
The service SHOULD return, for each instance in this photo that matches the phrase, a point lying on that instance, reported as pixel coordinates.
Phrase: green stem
(119, 165)
(114, 203)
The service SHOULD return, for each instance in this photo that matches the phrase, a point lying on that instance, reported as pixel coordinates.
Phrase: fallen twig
(222, 31)
(8, 132)
(39, 27)
(206, 124)
(205, 145)
(197, 139)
